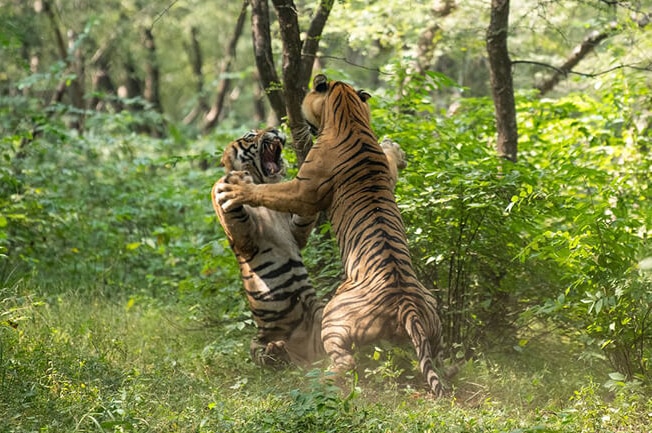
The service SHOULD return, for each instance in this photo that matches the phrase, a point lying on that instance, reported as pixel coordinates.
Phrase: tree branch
(578, 54)
(582, 50)
(647, 68)
(313, 36)
(196, 62)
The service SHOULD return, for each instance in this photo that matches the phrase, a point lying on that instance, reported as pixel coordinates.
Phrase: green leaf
(133, 245)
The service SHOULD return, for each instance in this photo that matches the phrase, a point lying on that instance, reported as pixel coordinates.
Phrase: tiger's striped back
(381, 297)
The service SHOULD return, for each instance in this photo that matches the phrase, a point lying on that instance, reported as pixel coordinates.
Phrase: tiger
(267, 245)
(347, 174)
(299, 340)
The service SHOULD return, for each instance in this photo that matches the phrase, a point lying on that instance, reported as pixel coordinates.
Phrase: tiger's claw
(229, 194)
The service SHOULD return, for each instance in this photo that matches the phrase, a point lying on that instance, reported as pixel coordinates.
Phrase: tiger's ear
(320, 83)
(364, 95)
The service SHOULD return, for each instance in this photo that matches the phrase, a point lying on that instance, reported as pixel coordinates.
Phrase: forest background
(526, 199)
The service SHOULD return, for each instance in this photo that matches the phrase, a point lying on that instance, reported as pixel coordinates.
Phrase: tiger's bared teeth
(271, 156)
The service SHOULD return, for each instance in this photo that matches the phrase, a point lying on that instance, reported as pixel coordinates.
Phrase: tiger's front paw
(272, 354)
(227, 196)
(394, 153)
(238, 177)
(234, 191)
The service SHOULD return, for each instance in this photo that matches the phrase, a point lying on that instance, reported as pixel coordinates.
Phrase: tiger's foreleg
(237, 222)
(295, 196)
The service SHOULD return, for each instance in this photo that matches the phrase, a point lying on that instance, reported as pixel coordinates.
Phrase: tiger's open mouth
(270, 157)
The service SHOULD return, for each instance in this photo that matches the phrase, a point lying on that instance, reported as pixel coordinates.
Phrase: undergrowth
(106, 363)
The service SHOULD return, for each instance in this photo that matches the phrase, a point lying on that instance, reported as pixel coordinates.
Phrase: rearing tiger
(347, 174)
(268, 245)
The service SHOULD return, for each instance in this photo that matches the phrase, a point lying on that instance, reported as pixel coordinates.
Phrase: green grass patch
(79, 361)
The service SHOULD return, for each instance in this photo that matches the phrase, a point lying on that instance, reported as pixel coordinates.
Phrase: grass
(96, 361)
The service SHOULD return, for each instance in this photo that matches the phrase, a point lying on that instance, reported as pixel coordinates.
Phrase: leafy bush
(116, 210)
(594, 223)
(556, 236)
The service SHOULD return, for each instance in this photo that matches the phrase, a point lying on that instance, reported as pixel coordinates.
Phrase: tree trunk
(262, 40)
(260, 114)
(213, 116)
(133, 86)
(293, 89)
(102, 82)
(426, 42)
(196, 62)
(152, 74)
(298, 59)
(502, 87)
(103, 85)
(73, 59)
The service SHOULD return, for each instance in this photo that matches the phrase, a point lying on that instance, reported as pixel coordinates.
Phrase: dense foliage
(120, 301)
(111, 255)
(558, 236)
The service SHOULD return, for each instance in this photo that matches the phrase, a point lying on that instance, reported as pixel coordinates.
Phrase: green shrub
(557, 235)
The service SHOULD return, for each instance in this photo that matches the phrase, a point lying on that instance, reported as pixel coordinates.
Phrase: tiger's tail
(417, 332)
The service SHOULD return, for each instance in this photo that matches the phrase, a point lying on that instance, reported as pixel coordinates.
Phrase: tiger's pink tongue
(271, 167)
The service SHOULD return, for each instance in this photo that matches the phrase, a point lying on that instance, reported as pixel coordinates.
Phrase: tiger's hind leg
(340, 353)
(338, 342)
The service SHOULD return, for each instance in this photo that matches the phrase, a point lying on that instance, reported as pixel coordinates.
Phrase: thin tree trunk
(67, 55)
(152, 73)
(298, 60)
(213, 116)
(103, 84)
(269, 79)
(313, 36)
(426, 42)
(294, 89)
(133, 85)
(196, 62)
(260, 113)
(502, 87)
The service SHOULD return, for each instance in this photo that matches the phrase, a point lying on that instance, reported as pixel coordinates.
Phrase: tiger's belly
(282, 300)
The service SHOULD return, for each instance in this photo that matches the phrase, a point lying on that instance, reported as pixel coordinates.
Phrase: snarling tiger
(347, 174)
(268, 245)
